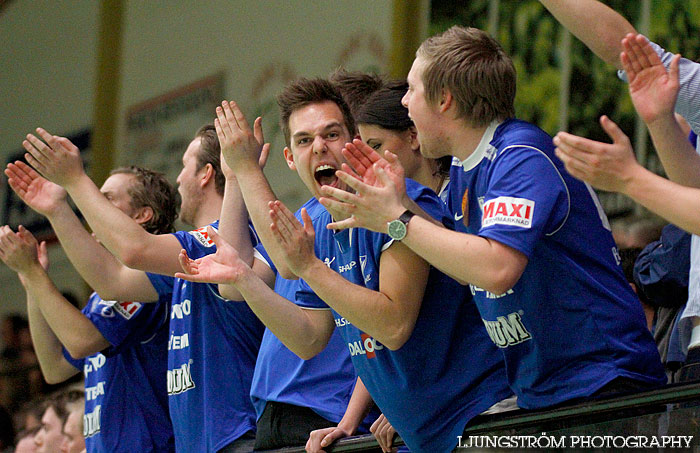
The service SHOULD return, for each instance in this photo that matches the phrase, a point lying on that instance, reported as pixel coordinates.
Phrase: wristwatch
(397, 228)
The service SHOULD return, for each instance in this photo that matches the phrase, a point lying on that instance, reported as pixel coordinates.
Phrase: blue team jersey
(126, 405)
(571, 323)
(323, 383)
(447, 372)
(212, 348)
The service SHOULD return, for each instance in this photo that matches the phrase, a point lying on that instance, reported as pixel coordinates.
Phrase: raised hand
(18, 250)
(322, 438)
(362, 159)
(384, 433)
(37, 192)
(239, 144)
(56, 158)
(607, 166)
(369, 207)
(653, 89)
(296, 240)
(223, 267)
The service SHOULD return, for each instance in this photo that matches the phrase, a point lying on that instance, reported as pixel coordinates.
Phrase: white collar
(480, 151)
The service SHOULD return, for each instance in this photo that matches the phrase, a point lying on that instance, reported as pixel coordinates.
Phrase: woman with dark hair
(384, 124)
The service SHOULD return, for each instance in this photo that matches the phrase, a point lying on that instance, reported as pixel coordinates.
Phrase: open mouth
(325, 175)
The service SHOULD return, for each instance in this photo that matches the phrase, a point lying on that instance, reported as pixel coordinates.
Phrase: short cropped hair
(303, 92)
(356, 86)
(475, 69)
(210, 153)
(152, 189)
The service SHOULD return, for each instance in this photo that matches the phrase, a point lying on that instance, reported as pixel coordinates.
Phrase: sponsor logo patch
(126, 309)
(200, 234)
(508, 211)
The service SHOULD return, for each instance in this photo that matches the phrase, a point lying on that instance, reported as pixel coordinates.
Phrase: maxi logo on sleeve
(508, 211)
(202, 236)
(126, 309)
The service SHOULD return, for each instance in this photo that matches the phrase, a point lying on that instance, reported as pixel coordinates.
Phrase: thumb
(673, 68)
(332, 437)
(382, 176)
(264, 153)
(613, 131)
(214, 236)
(257, 130)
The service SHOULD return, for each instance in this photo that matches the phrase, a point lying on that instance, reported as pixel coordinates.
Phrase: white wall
(47, 58)
(48, 66)
(258, 46)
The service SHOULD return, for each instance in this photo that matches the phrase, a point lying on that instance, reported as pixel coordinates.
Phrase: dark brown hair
(210, 153)
(303, 92)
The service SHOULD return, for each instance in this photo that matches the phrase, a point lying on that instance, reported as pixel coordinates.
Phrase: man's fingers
(224, 123)
(336, 206)
(230, 117)
(338, 194)
(239, 116)
(38, 165)
(184, 261)
(357, 185)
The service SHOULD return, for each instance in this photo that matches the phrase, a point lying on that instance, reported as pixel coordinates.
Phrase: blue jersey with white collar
(447, 372)
(126, 405)
(323, 383)
(212, 348)
(571, 323)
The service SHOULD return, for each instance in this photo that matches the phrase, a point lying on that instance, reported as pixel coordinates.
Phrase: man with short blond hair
(518, 219)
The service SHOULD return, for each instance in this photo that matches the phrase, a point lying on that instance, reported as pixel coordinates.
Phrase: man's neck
(209, 211)
(465, 139)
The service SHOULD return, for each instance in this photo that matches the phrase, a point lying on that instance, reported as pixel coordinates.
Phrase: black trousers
(287, 425)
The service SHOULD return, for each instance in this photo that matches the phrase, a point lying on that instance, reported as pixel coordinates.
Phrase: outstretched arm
(654, 91)
(233, 221)
(371, 207)
(48, 348)
(79, 336)
(613, 167)
(358, 407)
(102, 271)
(389, 314)
(57, 159)
(305, 332)
(599, 27)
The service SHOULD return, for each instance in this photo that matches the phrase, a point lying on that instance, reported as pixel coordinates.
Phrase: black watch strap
(406, 216)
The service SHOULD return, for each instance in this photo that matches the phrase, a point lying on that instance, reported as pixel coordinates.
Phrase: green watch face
(397, 230)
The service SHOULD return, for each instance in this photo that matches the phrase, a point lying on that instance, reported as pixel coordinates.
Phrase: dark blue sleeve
(518, 209)
(124, 324)
(307, 298)
(77, 363)
(429, 202)
(163, 284)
